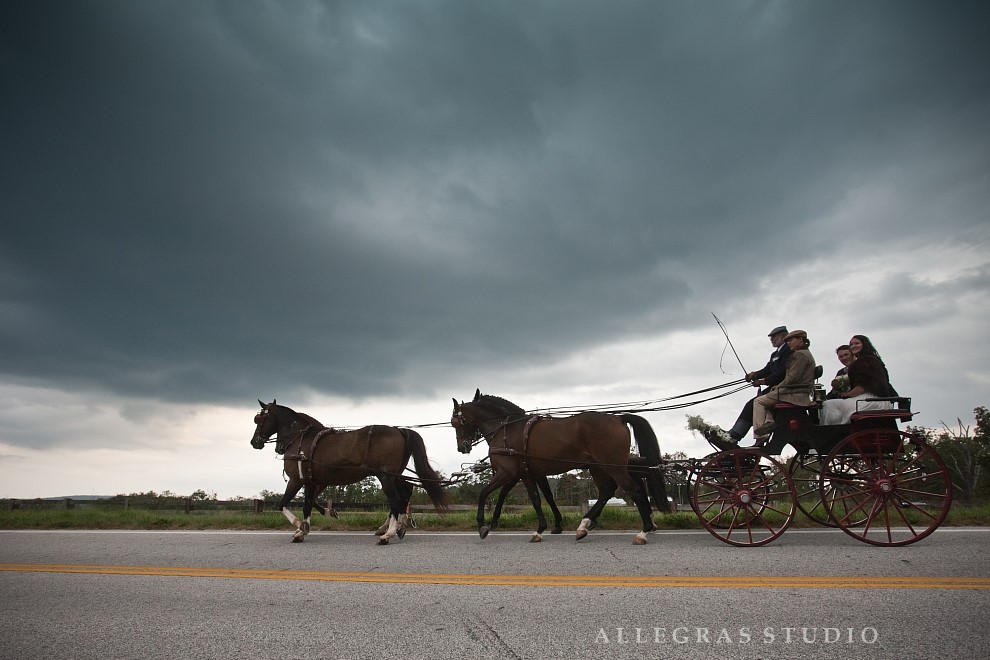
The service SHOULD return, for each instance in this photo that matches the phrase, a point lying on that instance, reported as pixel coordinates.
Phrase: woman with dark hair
(868, 379)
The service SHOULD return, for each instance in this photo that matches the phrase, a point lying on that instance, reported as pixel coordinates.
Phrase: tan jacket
(798, 380)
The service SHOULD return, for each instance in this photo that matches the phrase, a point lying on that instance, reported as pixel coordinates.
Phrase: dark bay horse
(317, 457)
(524, 446)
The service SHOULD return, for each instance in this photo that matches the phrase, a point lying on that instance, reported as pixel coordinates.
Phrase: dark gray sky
(207, 203)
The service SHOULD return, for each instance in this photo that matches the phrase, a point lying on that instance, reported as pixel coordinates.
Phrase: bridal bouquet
(841, 383)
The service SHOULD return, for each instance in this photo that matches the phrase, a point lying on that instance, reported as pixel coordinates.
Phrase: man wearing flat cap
(773, 372)
(767, 377)
(796, 386)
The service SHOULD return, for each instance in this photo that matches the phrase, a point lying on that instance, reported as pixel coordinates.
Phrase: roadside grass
(621, 518)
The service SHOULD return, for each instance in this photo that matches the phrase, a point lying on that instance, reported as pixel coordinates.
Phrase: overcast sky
(367, 209)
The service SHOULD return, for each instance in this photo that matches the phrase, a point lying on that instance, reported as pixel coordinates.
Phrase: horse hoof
(401, 533)
(298, 538)
(535, 538)
(379, 532)
(639, 540)
(483, 532)
(383, 541)
(557, 530)
(305, 528)
(581, 533)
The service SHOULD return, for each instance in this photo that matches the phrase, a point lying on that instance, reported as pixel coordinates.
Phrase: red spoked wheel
(743, 497)
(887, 487)
(805, 470)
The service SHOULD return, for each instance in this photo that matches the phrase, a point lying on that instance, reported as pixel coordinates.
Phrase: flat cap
(779, 329)
(796, 333)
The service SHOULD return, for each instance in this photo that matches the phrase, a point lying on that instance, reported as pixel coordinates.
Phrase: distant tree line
(966, 452)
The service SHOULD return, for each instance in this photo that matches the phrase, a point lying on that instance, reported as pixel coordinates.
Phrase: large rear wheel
(744, 497)
(805, 471)
(886, 487)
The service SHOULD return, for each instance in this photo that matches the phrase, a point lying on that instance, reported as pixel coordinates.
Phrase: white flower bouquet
(841, 383)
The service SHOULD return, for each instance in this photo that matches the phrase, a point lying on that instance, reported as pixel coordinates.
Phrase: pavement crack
(483, 633)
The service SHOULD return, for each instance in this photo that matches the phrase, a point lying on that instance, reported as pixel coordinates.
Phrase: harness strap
(301, 458)
(530, 423)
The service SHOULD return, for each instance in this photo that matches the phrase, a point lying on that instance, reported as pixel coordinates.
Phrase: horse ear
(477, 394)
(455, 404)
(262, 404)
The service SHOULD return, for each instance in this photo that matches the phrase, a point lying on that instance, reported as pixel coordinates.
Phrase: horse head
(483, 410)
(266, 424)
(467, 431)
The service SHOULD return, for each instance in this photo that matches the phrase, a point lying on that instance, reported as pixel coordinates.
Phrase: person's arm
(799, 365)
(776, 370)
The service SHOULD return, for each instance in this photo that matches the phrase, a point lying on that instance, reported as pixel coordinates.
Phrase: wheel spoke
(890, 483)
(744, 497)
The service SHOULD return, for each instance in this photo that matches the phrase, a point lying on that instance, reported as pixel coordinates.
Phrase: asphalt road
(810, 594)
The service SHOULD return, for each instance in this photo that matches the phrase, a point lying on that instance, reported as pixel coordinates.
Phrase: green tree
(966, 453)
(569, 490)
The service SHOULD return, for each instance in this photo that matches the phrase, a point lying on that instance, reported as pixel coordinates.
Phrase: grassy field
(612, 518)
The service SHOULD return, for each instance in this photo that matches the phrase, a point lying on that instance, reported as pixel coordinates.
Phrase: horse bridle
(458, 420)
(261, 417)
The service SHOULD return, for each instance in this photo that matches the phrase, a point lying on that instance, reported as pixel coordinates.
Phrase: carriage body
(878, 484)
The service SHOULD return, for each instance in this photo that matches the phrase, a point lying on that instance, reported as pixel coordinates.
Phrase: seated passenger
(765, 378)
(868, 379)
(840, 383)
(796, 388)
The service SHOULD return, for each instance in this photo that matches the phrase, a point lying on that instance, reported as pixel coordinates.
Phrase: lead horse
(317, 457)
(524, 446)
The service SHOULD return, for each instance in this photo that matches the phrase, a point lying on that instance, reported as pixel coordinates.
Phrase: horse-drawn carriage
(876, 483)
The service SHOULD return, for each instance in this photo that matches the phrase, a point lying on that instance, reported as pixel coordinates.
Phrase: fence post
(188, 505)
(257, 506)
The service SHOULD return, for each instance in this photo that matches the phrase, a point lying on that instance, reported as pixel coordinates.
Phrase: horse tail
(649, 449)
(649, 446)
(430, 481)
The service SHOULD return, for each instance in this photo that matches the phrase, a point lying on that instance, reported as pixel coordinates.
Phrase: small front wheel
(744, 497)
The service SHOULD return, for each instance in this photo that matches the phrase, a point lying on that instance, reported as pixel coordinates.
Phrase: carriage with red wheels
(875, 482)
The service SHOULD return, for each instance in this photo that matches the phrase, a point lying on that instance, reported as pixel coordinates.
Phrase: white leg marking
(393, 526)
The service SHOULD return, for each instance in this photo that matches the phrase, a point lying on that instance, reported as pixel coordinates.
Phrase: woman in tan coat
(796, 387)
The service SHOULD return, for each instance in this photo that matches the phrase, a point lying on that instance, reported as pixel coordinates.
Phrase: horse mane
(305, 419)
(502, 405)
(312, 420)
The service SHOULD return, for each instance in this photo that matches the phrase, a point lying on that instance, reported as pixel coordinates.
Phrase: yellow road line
(647, 581)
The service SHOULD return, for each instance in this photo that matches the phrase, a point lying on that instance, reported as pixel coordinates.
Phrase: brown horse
(317, 457)
(524, 446)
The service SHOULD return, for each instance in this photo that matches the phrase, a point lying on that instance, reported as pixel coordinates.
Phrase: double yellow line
(635, 581)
